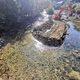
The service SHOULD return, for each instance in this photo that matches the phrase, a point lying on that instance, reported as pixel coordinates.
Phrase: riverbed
(43, 56)
(29, 59)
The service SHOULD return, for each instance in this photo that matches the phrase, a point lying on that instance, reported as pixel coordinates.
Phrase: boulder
(2, 42)
(51, 33)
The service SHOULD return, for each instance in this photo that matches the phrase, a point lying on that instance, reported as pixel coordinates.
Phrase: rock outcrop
(51, 33)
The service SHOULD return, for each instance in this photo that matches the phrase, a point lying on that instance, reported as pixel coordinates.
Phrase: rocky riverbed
(29, 59)
(51, 33)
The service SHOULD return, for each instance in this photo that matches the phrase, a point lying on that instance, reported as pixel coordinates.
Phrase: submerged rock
(50, 33)
(2, 41)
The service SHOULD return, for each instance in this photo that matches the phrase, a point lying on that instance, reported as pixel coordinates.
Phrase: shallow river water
(71, 42)
(31, 60)
(37, 52)
(48, 59)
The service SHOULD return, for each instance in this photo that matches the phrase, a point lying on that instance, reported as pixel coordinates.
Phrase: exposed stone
(51, 33)
(1, 42)
(76, 51)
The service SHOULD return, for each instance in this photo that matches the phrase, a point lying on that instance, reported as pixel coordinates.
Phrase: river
(44, 57)
(29, 59)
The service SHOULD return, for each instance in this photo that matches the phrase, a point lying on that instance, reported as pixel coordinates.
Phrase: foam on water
(38, 44)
